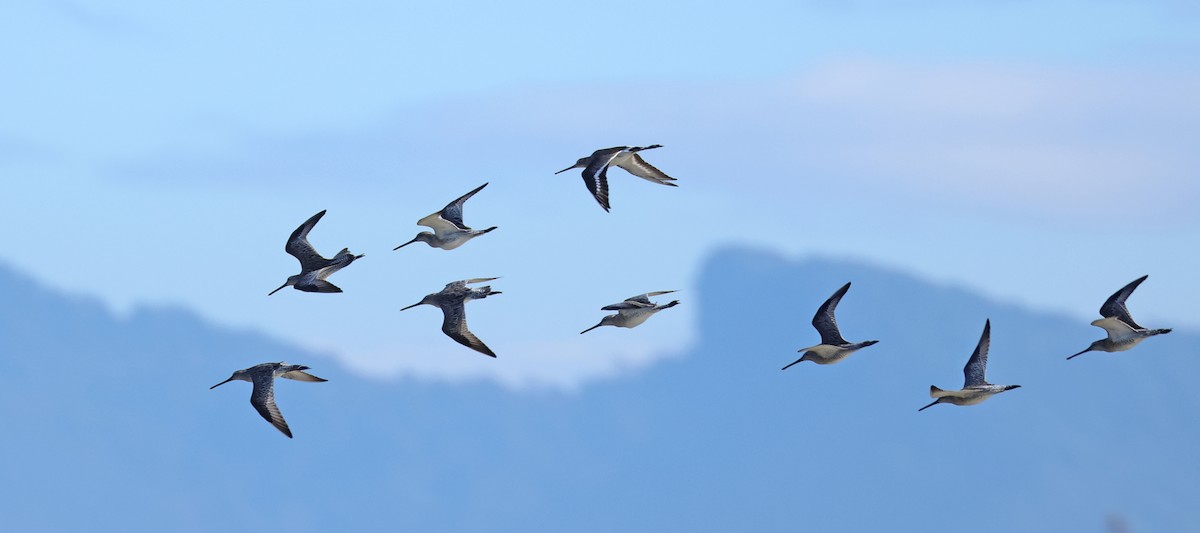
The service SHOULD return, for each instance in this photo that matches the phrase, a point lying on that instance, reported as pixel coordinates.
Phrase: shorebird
(633, 311)
(975, 389)
(263, 396)
(1123, 332)
(452, 300)
(313, 267)
(833, 347)
(449, 232)
(595, 169)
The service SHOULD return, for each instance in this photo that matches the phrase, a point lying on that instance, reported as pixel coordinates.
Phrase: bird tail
(487, 230)
(1154, 332)
(670, 305)
(346, 253)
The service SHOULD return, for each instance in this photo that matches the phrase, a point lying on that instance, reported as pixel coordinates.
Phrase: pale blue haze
(1035, 156)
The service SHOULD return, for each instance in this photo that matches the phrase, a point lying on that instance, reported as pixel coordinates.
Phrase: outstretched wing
(635, 302)
(263, 399)
(1116, 328)
(300, 375)
(627, 304)
(976, 369)
(454, 325)
(826, 322)
(1114, 307)
(297, 245)
(634, 164)
(453, 212)
(317, 285)
(595, 175)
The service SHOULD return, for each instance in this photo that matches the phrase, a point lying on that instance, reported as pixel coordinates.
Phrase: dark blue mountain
(109, 425)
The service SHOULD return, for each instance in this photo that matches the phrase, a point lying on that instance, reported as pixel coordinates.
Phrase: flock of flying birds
(450, 232)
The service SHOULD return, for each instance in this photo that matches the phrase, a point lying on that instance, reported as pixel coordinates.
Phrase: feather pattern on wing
(826, 322)
(975, 373)
(298, 246)
(263, 400)
(1115, 305)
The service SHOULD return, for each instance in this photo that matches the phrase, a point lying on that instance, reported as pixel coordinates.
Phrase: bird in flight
(595, 169)
(262, 397)
(449, 231)
(314, 268)
(633, 311)
(833, 347)
(452, 301)
(1123, 332)
(975, 389)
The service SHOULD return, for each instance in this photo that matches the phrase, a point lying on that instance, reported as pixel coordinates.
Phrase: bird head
(291, 281)
(427, 300)
(424, 236)
(578, 164)
(240, 374)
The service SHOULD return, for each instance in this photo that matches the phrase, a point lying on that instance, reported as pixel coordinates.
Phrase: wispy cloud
(1015, 139)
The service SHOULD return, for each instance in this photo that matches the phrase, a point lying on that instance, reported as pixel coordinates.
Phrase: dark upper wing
(263, 399)
(298, 246)
(826, 322)
(976, 369)
(1115, 305)
(453, 212)
(317, 285)
(454, 325)
(635, 302)
(627, 304)
(595, 175)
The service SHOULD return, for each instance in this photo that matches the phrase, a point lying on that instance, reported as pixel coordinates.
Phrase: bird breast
(633, 317)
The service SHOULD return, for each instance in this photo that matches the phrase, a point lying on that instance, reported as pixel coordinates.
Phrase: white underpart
(1120, 334)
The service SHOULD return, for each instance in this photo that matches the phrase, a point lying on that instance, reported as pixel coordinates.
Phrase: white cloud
(530, 365)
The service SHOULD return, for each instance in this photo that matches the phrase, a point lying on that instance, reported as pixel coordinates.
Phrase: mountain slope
(109, 424)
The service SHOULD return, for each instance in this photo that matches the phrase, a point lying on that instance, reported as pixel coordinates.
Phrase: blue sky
(1042, 153)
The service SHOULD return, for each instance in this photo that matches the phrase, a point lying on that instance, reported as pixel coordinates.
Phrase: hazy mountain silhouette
(109, 424)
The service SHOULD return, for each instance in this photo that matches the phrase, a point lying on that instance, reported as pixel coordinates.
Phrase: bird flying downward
(1123, 332)
(449, 231)
(452, 301)
(262, 397)
(595, 169)
(313, 267)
